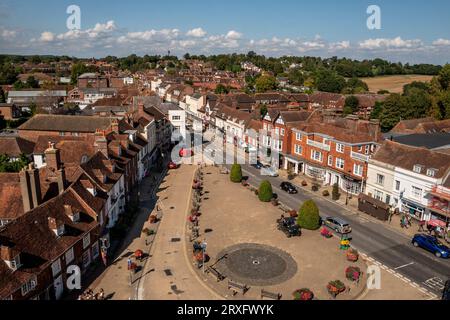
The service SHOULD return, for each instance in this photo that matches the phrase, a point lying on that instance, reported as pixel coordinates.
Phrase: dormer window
(92, 191)
(431, 172)
(14, 264)
(57, 227)
(60, 230)
(417, 168)
(75, 217)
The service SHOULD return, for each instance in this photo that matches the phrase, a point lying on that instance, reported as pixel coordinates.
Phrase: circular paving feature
(256, 264)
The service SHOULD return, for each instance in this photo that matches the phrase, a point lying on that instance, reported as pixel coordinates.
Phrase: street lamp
(347, 183)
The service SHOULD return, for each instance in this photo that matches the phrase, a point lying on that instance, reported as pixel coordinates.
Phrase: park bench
(270, 295)
(219, 277)
(237, 288)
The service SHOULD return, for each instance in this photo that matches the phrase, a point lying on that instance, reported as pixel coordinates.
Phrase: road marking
(435, 283)
(404, 266)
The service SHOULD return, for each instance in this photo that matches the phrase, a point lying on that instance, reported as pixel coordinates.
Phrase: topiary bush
(308, 216)
(236, 173)
(265, 193)
(335, 193)
(325, 193)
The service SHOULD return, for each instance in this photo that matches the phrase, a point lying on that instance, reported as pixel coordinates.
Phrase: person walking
(421, 226)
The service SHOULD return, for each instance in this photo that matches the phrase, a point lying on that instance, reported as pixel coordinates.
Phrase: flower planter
(353, 273)
(153, 219)
(304, 183)
(293, 214)
(326, 233)
(335, 288)
(303, 295)
(352, 255)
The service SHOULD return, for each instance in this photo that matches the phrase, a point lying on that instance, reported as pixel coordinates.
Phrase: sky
(411, 31)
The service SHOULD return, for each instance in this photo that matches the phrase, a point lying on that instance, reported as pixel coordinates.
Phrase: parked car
(337, 224)
(172, 165)
(288, 187)
(446, 291)
(290, 227)
(269, 171)
(258, 165)
(431, 244)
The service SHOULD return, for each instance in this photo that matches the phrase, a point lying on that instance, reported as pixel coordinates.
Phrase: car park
(337, 224)
(431, 244)
(288, 187)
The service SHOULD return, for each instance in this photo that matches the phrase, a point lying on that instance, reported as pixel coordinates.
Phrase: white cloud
(7, 34)
(47, 36)
(341, 45)
(384, 43)
(233, 35)
(441, 42)
(197, 33)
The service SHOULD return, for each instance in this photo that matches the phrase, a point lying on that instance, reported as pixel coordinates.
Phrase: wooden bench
(237, 288)
(270, 295)
(215, 273)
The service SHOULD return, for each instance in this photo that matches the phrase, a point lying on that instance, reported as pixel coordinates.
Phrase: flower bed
(353, 273)
(303, 295)
(335, 288)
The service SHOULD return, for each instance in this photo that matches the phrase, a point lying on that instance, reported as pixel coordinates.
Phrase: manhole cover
(257, 265)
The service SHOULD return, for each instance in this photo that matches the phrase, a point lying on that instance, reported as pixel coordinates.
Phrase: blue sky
(412, 30)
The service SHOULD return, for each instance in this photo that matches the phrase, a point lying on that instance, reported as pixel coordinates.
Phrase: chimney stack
(141, 108)
(115, 126)
(375, 129)
(30, 187)
(61, 176)
(101, 143)
(52, 157)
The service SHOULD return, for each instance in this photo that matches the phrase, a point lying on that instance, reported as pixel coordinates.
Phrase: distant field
(393, 84)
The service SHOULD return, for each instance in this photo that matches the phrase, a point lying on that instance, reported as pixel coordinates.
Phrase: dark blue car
(431, 244)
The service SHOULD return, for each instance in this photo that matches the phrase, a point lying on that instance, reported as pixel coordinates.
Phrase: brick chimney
(30, 187)
(61, 177)
(101, 143)
(115, 126)
(375, 129)
(52, 157)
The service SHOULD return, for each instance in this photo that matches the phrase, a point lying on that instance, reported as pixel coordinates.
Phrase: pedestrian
(129, 263)
(101, 294)
(421, 226)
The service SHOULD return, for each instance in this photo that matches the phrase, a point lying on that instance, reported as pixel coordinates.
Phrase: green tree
(329, 81)
(377, 109)
(355, 85)
(265, 83)
(236, 173)
(6, 165)
(351, 105)
(263, 111)
(221, 89)
(335, 193)
(308, 217)
(394, 109)
(418, 102)
(2, 96)
(444, 77)
(296, 77)
(32, 82)
(265, 192)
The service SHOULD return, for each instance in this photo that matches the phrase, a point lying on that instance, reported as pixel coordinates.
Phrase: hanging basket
(303, 295)
(352, 255)
(353, 273)
(335, 287)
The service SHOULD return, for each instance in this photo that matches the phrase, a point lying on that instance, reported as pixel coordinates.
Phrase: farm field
(393, 84)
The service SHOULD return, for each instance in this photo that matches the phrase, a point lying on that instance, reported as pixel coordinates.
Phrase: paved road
(386, 246)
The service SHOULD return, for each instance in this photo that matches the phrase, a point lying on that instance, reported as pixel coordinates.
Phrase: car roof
(339, 220)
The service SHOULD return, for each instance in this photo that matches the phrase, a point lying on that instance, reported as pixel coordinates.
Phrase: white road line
(404, 266)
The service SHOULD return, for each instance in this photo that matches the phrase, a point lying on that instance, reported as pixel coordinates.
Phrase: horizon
(287, 28)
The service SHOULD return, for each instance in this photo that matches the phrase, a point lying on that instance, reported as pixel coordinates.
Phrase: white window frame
(56, 267)
(378, 195)
(298, 136)
(416, 193)
(417, 169)
(380, 183)
(69, 255)
(298, 149)
(340, 163)
(397, 185)
(431, 173)
(29, 286)
(367, 151)
(315, 153)
(358, 170)
(86, 240)
(340, 147)
(330, 161)
(282, 131)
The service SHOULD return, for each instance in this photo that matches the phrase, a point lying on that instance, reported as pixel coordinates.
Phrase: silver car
(337, 224)
(269, 171)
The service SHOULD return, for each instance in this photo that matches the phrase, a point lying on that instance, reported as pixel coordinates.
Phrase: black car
(290, 227)
(446, 292)
(288, 187)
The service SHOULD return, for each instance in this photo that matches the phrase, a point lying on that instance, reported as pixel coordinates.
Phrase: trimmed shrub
(236, 173)
(308, 216)
(325, 193)
(335, 193)
(265, 193)
(304, 183)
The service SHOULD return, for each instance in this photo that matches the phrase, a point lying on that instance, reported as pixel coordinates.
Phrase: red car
(172, 165)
